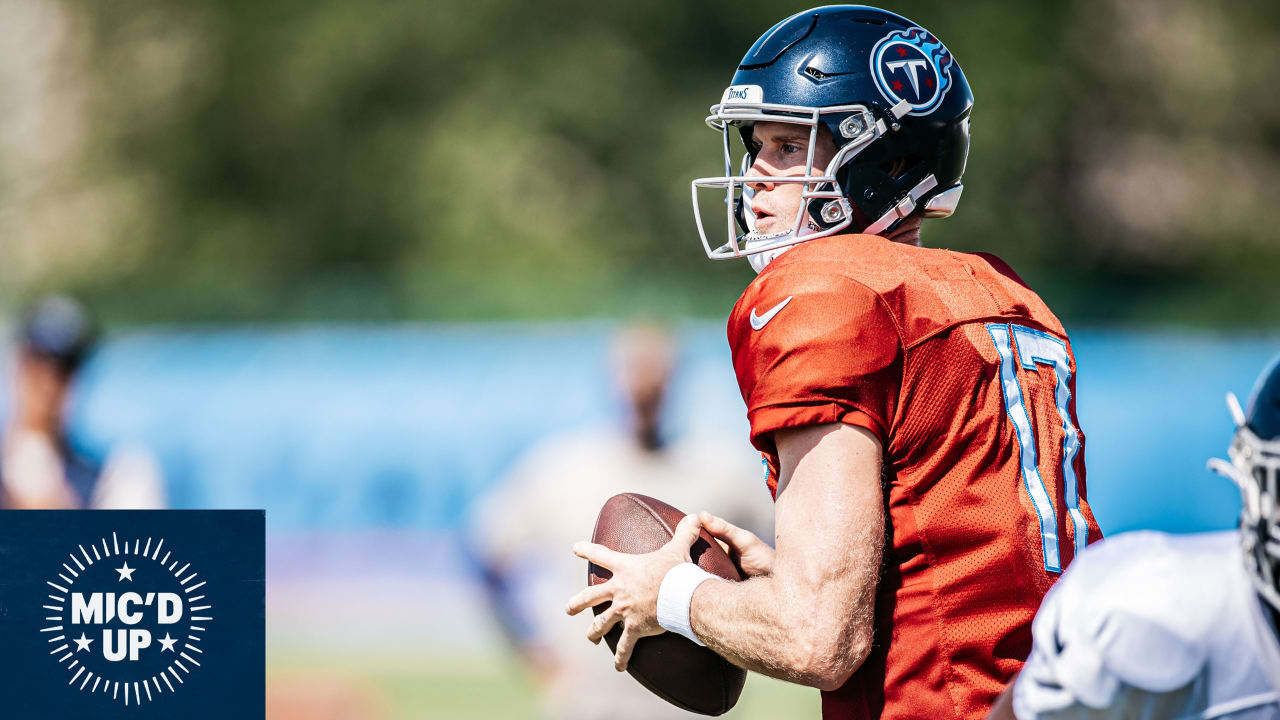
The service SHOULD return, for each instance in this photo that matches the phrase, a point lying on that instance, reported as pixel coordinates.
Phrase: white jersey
(1150, 625)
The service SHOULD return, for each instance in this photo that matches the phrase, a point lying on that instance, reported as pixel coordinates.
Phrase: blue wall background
(354, 427)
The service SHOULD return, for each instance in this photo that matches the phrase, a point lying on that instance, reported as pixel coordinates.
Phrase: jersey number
(1035, 347)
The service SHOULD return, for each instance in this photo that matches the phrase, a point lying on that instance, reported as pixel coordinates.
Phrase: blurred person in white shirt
(40, 467)
(550, 498)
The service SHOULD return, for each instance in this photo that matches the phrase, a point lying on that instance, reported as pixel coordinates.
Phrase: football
(671, 666)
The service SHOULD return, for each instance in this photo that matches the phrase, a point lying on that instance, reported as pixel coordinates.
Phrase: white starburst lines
(135, 693)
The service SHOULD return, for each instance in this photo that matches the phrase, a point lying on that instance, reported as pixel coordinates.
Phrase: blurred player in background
(550, 498)
(1151, 625)
(40, 466)
(915, 407)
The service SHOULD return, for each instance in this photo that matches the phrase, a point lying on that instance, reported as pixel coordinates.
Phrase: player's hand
(633, 589)
(751, 554)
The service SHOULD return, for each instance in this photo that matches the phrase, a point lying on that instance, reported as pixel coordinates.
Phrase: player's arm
(498, 536)
(810, 620)
(820, 383)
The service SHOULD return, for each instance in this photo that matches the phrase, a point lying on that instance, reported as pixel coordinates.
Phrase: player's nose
(760, 175)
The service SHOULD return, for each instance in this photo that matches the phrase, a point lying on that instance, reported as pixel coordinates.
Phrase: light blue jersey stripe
(1038, 347)
(1017, 410)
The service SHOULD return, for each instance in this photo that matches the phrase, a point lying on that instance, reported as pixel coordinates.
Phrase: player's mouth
(763, 218)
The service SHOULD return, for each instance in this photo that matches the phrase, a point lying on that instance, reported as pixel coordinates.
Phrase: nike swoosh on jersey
(759, 321)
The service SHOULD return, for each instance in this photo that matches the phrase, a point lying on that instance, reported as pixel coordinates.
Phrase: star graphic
(902, 52)
(897, 85)
(928, 81)
(126, 572)
(167, 642)
(82, 642)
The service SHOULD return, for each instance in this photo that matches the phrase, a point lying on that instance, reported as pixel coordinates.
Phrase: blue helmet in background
(59, 330)
(1255, 467)
(891, 96)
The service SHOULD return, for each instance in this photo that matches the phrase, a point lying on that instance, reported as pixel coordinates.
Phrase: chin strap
(759, 260)
(905, 207)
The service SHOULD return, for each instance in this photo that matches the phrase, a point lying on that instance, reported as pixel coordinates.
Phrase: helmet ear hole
(899, 166)
(894, 167)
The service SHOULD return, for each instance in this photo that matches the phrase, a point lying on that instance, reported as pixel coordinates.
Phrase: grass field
(320, 684)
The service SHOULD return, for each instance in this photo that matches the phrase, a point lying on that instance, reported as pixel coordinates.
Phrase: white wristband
(676, 594)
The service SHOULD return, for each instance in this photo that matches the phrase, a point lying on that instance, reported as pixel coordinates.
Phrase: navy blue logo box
(132, 614)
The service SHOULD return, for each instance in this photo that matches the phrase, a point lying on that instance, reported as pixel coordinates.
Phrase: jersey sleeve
(813, 348)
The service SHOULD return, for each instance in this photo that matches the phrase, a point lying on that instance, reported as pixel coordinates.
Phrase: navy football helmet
(892, 97)
(59, 330)
(1255, 467)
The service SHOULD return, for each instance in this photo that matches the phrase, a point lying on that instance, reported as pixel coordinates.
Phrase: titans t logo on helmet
(914, 66)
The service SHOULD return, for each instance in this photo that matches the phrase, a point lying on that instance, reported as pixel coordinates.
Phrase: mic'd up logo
(125, 620)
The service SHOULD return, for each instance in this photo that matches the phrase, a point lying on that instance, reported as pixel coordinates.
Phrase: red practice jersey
(968, 380)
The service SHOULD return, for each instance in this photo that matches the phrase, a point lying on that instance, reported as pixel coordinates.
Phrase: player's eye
(791, 148)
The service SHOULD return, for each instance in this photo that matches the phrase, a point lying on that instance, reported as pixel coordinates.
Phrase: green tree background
(336, 161)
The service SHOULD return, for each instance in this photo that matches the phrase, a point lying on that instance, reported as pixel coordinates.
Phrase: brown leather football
(671, 666)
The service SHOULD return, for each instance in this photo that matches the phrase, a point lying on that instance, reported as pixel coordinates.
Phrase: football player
(915, 407)
(1149, 625)
(41, 467)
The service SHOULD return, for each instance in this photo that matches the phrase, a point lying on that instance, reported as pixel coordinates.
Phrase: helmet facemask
(1254, 466)
(826, 207)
